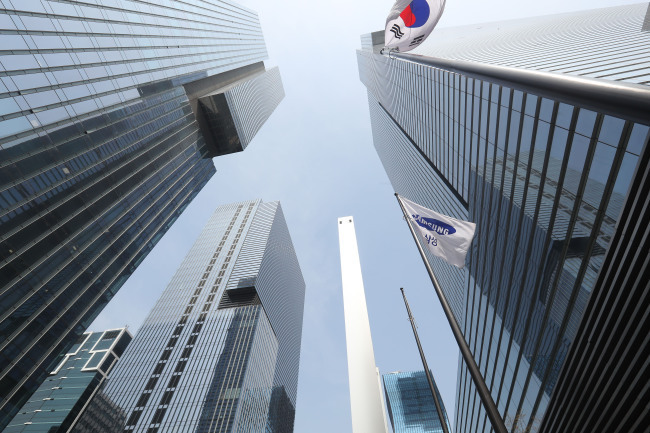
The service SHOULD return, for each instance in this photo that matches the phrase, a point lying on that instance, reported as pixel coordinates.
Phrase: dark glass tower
(507, 125)
(410, 403)
(60, 400)
(106, 135)
(220, 350)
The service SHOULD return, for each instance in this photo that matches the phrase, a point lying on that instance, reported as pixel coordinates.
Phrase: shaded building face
(544, 181)
(101, 149)
(219, 352)
(61, 399)
(410, 404)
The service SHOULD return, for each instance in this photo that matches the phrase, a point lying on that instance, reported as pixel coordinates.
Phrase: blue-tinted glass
(611, 130)
(100, 151)
(586, 120)
(638, 138)
(60, 398)
(223, 338)
(543, 208)
(410, 403)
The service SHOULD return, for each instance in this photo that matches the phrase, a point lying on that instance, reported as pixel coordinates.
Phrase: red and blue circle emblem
(416, 14)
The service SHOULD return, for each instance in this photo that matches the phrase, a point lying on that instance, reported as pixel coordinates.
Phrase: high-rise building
(410, 404)
(110, 113)
(61, 399)
(220, 350)
(537, 131)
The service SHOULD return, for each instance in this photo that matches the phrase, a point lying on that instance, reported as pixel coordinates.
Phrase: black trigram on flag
(397, 31)
(416, 41)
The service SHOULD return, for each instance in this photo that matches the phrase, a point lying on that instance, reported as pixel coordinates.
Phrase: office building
(110, 114)
(59, 402)
(410, 404)
(537, 131)
(220, 350)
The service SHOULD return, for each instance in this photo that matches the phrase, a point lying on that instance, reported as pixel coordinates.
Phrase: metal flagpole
(488, 403)
(441, 415)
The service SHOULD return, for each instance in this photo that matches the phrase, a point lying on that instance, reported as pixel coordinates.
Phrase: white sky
(315, 155)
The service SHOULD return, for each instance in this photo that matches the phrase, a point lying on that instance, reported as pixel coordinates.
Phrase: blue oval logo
(434, 225)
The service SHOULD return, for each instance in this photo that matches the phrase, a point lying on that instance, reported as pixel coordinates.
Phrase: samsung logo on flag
(434, 225)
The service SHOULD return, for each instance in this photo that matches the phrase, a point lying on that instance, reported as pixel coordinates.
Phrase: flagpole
(484, 393)
(436, 401)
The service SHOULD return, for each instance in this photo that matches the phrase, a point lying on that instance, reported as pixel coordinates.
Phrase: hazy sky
(315, 155)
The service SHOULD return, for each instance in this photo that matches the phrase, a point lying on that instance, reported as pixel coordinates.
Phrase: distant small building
(410, 403)
(59, 401)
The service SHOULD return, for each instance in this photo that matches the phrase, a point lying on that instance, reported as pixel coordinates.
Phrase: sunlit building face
(107, 130)
(544, 180)
(220, 350)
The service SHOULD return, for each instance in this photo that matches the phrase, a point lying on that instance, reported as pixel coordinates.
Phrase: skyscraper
(109, 115)
(220, 350)
(535, 130)
(60, 400)
(410, 403)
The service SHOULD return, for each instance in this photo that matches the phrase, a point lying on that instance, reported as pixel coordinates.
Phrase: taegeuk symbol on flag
(410, 22)
(446, 237)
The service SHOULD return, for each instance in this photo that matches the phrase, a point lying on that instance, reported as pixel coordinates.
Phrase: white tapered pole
(366, 402)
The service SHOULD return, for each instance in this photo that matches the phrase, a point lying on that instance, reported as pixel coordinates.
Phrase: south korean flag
(410, 22)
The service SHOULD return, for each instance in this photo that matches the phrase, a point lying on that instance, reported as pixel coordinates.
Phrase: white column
(366, 402)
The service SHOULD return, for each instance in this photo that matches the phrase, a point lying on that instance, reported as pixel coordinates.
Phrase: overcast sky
(315, 155)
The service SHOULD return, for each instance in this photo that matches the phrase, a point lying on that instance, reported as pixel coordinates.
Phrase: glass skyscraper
(220, 350)
(110, 114)
(410, 403)
(526, 128)
(60, 400)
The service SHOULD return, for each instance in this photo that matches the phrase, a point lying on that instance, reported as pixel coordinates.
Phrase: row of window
(182, 362)
(545, 188)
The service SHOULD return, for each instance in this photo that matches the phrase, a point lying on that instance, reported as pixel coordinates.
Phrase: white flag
(446, 237)
(410, 22)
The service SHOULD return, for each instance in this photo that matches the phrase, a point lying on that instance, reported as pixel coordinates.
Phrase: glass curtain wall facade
(101, 148)
(603, 386)
(410, 404)
(543, 180)
(59, 401)
(220, 350)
